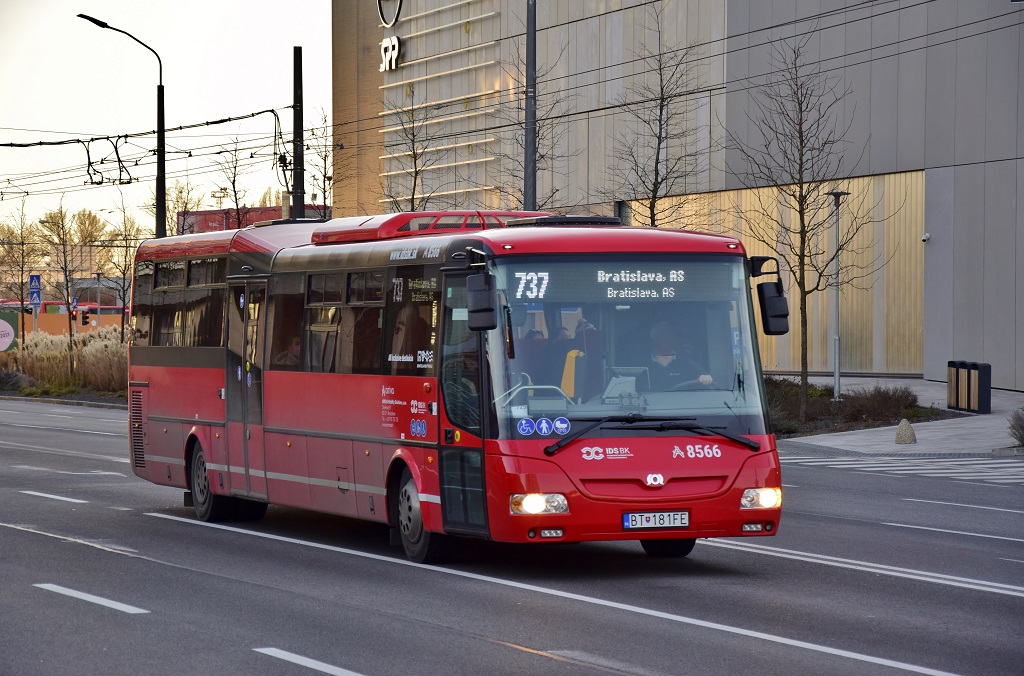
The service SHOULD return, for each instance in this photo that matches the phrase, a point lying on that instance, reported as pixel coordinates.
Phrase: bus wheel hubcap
(410, 519)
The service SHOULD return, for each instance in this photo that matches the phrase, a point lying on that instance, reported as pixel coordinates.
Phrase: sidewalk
(972, 435)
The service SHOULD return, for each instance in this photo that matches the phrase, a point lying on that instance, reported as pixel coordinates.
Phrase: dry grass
(100, 359)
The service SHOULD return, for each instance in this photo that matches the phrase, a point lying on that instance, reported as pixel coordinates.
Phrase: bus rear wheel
(668, 549)
(420, 545)
(209, 507)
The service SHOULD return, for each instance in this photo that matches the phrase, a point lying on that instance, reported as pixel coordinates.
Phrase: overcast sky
(61, 77)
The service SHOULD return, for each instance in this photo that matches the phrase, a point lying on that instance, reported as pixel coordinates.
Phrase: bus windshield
(587, 337)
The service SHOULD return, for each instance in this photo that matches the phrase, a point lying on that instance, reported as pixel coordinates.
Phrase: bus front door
(463, 490)
(246, 330)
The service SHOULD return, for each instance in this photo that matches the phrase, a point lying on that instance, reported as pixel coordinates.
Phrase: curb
(67, 402)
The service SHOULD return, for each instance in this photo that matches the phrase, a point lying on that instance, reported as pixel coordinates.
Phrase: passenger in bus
(673, 362)
(558, 347)
(291, 356)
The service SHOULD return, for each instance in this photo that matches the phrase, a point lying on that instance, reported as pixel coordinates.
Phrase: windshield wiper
(677, 424)
(627, 419)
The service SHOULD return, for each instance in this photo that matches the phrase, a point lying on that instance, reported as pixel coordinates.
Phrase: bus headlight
(761, 498)
(538, 503)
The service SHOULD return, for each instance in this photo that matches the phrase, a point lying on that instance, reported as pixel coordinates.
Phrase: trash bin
(969, 386)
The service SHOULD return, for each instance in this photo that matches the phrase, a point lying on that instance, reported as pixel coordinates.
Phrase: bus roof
(485, 226)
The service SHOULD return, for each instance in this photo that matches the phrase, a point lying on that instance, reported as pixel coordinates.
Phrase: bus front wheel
(668, 549)
(209, 507)
(420, 545)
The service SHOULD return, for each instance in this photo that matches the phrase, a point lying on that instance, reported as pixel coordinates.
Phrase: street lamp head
(101, 24)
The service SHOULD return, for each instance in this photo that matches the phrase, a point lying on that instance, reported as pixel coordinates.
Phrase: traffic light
(74, 315)
(85, 318)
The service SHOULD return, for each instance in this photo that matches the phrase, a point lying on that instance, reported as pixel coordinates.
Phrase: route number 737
(532, 284)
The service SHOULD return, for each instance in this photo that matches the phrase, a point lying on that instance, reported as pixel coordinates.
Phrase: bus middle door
(246, 331)
(462, 469)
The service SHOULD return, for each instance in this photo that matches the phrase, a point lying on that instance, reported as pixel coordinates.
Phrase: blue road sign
(74, 302)
(34, 283)
(34, 298)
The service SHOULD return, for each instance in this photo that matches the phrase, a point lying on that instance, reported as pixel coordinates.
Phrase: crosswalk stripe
(991, 470)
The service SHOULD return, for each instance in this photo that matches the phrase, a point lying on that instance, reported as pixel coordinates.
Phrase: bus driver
(672, 362)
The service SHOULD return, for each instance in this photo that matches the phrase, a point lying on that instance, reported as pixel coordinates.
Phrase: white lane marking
(958, 504)
(1011, 560)
(890, 476)
(790, 486)
(120, 509)
(61, 451)
(95, 472)
(65, 429)
(877, 568)
(322, 667)
(92, 599)
(54, 415)
(575, 597)
(954, 532)
(54, 497)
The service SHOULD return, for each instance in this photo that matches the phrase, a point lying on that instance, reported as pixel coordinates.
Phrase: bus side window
(460, 361)
(286, 308)
(411, 321)
(363, 323)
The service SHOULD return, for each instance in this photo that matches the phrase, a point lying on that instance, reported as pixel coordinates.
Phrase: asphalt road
(870, 573)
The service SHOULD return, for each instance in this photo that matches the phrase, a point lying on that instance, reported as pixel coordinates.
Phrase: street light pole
(837, 195)
(97, 298)
(161, 181)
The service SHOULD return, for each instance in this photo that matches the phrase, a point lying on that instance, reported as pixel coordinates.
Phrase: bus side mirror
(482, 302)
(774, 308)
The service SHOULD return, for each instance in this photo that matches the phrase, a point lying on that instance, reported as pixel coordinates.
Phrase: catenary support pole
(298, 144)
(530, 141)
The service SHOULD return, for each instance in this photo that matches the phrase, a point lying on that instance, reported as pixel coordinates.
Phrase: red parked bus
(513, 376)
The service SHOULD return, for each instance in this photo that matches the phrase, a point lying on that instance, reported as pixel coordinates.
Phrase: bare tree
(321, 169)
(20, 255)
(229, 162)
(413, 146)
(551, 132)
(69, 241)
(792, 158)
(122, 243)
(182, 198)
(656, 158)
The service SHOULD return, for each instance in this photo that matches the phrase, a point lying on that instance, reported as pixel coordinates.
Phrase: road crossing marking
(994, 471)
(958, 504)
(954, 532)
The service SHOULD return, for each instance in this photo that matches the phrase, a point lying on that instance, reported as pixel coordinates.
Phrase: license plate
(637, 520)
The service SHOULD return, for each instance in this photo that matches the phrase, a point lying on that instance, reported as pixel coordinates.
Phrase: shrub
(1016, 421)
(13, 381)
(878, 403)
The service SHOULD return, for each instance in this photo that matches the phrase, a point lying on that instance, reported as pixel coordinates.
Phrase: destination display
(622, 280)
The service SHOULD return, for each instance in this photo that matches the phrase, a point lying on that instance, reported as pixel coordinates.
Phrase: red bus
(520, 377)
